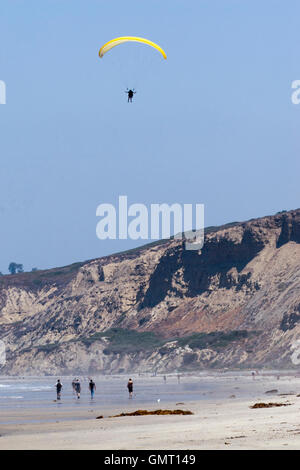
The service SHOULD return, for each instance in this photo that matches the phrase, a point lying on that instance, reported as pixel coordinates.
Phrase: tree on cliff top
(15, 268)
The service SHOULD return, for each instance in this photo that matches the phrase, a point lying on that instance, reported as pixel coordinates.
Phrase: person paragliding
(130, 94)
(124, 39)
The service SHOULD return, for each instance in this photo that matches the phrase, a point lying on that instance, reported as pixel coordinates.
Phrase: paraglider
(115, 42)
(130, 94)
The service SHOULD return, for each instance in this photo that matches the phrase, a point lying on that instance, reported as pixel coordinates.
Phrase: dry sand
(226, 424)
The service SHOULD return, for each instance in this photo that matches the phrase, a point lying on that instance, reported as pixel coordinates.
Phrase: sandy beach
(213, 426)
(216, 423)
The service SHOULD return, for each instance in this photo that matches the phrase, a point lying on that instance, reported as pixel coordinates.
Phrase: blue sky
(213, 124)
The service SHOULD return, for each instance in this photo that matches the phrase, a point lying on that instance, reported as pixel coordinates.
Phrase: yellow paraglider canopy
(115, 42)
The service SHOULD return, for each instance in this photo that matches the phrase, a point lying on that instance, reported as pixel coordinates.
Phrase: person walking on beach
(77, 388)
(58, 389)
(130, 387)
(92, 387)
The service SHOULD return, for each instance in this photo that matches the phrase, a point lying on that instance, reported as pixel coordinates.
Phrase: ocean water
(17, 393)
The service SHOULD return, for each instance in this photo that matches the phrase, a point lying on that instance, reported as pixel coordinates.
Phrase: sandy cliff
(161, 307)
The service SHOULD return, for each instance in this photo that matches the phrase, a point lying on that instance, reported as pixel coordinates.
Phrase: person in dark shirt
(130, 387)
(77, 388)
(58, 389)
(130, 94)
(92, 387)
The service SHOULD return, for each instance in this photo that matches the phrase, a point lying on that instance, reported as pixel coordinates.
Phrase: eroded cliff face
(235, 303)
